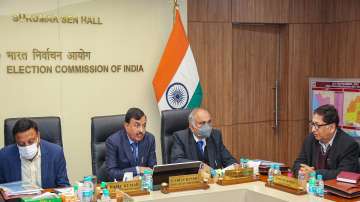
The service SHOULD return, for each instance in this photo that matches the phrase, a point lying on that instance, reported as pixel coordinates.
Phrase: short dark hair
(329, 113)
(23, 125)
(134, 113)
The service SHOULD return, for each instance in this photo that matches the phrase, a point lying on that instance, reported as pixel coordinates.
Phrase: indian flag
(176, 82)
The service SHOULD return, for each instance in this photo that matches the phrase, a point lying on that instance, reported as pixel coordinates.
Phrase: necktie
(199, 145)
(134, 151)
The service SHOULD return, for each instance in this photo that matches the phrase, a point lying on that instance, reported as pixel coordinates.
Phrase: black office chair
(171, 121)
(101, 128)
(49, 127)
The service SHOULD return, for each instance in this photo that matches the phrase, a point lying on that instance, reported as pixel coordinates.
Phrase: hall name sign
(33, 18)
(80, 59)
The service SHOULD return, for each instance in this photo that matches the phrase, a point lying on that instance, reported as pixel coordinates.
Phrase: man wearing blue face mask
(200, 142)
(32, 159)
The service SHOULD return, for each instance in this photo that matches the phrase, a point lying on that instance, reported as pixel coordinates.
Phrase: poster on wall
(344, 94)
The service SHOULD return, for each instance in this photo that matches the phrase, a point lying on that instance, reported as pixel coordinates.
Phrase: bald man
(200, 142)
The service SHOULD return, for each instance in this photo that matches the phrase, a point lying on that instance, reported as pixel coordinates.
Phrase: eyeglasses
(317, 126)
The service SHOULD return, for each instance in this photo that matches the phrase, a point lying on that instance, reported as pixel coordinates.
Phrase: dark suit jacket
(343, 155)
(53, 165)
(119, 157)
(184, 149)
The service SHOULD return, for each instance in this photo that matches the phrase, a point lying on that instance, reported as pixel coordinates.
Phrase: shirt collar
(130, 141)
(197, 139)
(324, 146)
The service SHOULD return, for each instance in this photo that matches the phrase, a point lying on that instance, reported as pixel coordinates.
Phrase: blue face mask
(205, 130)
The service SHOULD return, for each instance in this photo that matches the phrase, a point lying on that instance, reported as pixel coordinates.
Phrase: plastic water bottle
(302, 179)
(105, 196)
(88, 186)
(312, 184)
(246, 163)
(242, 163)
(147, 181)
(87, 196)
(319, 186)
(88, 183)
(271, 174)
(277, 170)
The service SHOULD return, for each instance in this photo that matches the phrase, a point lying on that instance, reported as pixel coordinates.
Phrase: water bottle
(105, 196)
(319, 186)
(312, 184)
(88, 183)
(88, 186)
(277, 170)
(242, 163)
(302, 179)
(271, 174)
(246, 163)
(147, 180)
(87, 196)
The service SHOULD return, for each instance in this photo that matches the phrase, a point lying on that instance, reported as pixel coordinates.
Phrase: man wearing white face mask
(32, 159)
(200, 142)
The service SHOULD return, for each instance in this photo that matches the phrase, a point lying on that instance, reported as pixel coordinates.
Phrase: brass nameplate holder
(132, 188)
(184, 183)
(287, 184)
(237, 176)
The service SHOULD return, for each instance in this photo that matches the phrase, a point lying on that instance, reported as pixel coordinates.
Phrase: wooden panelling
(209, 11)
(305, 56)
(255, 140)
(212, 47)
(255, 60)
(260, 11)
(307, 11)
(342, 10)
(342, 45)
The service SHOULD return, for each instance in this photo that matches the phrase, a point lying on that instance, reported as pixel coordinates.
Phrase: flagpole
(176, 6)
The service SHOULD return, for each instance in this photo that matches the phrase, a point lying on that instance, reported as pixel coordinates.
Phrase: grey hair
(191, 116)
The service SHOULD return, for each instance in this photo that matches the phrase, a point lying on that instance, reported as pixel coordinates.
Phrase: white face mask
(28, 152)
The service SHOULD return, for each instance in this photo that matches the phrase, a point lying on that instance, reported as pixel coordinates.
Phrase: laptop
(163, 172)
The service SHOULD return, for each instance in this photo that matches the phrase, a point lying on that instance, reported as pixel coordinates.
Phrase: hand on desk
(306, 170)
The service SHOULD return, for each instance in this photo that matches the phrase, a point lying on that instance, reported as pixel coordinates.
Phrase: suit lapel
(210, 147)
(314, 153)
(44, 165)
(16, 166)
(141, 150)
(127, 148)
(192, 148)
(332, 150)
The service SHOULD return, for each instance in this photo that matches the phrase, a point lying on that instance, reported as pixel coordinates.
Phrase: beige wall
(133, 32)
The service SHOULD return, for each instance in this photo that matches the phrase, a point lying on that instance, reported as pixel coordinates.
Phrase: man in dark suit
(131, 149)
(327, 150)
(32, 159)
(200, 142)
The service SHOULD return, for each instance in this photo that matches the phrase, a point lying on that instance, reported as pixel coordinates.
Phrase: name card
(287, 182)
(239, 172)
(128, 186)
(184, 180)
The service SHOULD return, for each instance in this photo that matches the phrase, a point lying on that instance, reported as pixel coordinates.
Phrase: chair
(49, 127)
(171, 121)
(101, 128)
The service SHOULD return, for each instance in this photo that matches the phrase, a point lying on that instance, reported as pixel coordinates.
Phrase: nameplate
(184, 180)
(287, 182)
(129, 186)
(239, 172)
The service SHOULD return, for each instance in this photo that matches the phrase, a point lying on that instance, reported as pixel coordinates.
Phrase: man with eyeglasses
(200, 142)
(32, 159)
(328, 149)
(131, 149)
